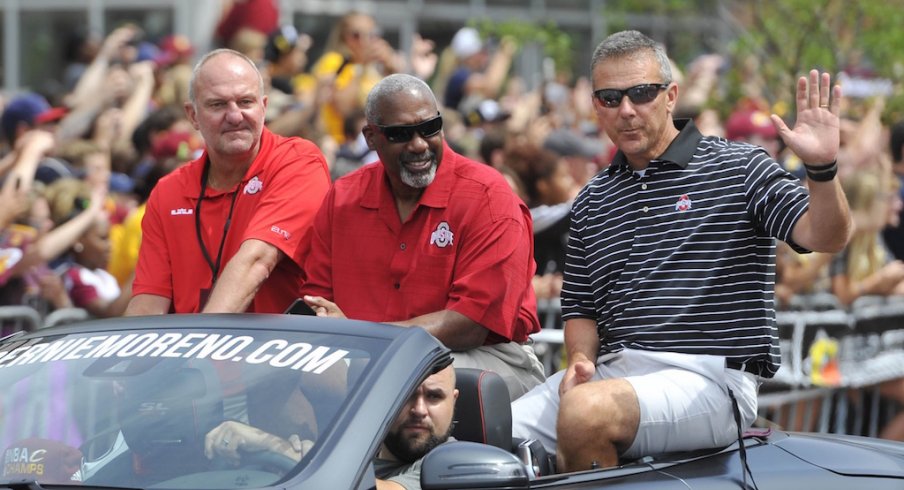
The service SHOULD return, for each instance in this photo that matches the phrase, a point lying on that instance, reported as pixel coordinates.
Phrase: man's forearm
(147, 304)
(454, 330)
(827, 225)
(242, 277)
(581, 340)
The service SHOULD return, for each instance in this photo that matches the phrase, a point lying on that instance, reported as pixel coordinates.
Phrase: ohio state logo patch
(683, 204)
(442, 236)
(254, 185)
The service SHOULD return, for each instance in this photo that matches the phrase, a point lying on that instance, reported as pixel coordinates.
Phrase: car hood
(852, 455)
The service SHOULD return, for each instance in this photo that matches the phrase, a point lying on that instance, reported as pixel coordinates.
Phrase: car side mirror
(462, 464)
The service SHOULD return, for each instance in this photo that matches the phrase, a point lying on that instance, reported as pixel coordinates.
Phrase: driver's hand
(229, 439)
(299, 446)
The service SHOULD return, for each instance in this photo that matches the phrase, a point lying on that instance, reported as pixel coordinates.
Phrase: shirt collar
(680, 151)
(436, 195)
(192, 187)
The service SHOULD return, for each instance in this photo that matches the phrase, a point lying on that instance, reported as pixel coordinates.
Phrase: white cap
(466, 42)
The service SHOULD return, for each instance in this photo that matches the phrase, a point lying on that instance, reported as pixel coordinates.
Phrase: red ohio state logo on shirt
(683, 204)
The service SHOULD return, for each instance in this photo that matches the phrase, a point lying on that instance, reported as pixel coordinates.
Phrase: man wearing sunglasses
(668, 293)
(426, 237)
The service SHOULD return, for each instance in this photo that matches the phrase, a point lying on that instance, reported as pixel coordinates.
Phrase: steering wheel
(268, 460)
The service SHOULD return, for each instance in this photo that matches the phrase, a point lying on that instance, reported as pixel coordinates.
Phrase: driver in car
(424, 423)
(280, 417)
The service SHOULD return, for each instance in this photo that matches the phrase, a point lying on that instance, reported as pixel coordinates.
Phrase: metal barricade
(14, 318)
(65, 315)
(869, 339)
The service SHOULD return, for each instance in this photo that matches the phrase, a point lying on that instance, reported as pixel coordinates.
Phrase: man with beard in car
(428, 238)
(424, 423)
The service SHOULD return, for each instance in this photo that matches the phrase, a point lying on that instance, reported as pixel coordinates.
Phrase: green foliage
(777, 41)
(792, 36)
(556, 43)
(661, 7)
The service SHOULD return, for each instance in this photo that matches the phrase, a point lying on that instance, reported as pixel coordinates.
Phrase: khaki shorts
(684, 403)
(517, 364)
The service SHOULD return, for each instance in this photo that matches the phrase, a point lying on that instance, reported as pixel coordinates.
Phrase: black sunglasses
(404, 133)
(639, 94)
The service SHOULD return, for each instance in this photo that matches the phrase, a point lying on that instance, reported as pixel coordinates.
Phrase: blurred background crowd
(89, 127)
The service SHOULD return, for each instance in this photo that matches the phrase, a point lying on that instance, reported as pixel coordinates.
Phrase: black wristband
(822, 173)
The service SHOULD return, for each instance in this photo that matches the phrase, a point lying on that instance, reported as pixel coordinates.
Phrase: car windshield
(167, 408)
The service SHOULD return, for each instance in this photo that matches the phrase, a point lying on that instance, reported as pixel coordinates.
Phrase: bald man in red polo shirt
(240, 247)
(428, 238)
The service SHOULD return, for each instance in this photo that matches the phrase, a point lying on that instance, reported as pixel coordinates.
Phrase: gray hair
(629, 43)
(207, 57)
(390, 86)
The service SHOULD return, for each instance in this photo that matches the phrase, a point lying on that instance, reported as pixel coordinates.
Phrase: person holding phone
(429, 238)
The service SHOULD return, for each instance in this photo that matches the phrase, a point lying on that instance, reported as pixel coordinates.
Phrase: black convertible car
(127, 403)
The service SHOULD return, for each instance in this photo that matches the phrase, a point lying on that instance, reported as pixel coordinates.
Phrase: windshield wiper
(13, 335)
(22, 485)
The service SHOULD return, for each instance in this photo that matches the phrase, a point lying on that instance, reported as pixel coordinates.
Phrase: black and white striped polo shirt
(682, 258)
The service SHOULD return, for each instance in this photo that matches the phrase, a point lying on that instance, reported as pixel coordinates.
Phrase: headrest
(164, 418)
(483, 411)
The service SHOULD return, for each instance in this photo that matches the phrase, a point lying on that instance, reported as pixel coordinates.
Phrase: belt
(748, 366)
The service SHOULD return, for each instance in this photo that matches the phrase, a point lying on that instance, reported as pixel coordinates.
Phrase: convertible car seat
(483, 411)
(164, 419)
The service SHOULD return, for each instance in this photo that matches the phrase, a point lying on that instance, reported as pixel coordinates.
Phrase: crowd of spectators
(77, 165)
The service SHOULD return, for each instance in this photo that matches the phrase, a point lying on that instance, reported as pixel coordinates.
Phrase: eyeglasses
(404, 133)
(639, 94)
(358, 35)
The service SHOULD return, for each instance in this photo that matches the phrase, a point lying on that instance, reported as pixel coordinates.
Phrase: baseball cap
(487, 110)
(44, 460)
(176, 144)
(147, 51)
(280, 42)
(30, 108)
(749, 122)
(466, 42)
(172, 48)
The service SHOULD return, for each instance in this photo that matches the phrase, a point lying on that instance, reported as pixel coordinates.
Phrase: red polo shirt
(275, 202)
(467, 247)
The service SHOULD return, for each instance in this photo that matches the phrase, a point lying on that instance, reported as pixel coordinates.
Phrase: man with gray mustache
(426, 237)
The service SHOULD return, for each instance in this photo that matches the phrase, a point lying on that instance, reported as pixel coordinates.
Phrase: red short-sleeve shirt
(275, 202)
(467, 247)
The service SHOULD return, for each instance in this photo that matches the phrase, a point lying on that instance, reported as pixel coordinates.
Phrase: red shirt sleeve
(153, 274)
(292, 194)
(494, 267)
(318, 265)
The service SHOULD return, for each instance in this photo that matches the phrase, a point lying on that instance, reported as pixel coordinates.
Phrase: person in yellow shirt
(356, 58)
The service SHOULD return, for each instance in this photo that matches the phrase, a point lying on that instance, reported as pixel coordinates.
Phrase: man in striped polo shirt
(668, 294)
